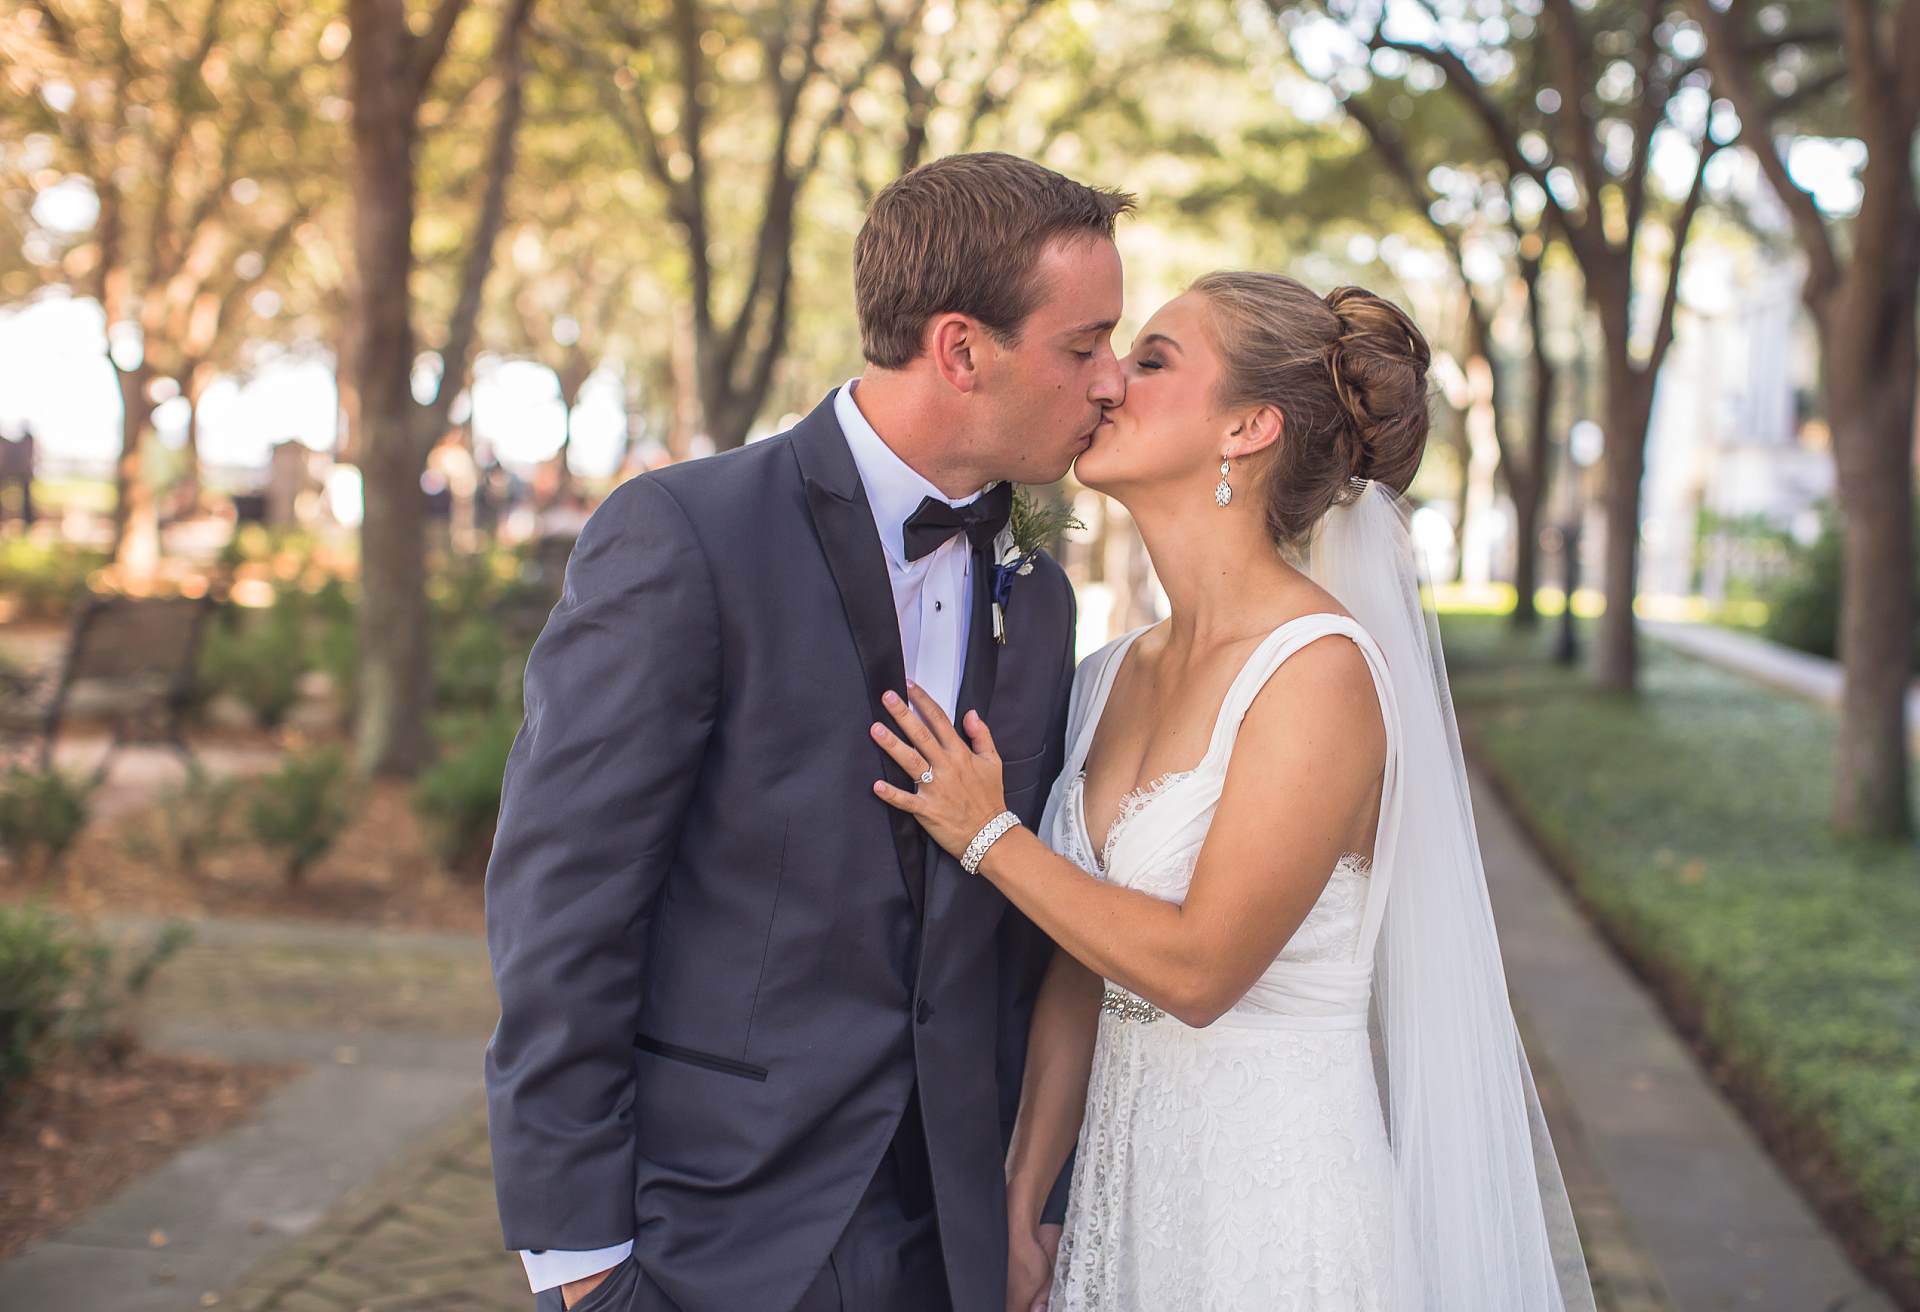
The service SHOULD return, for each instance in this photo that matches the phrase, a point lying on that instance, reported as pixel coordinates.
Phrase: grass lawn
(1692, 823)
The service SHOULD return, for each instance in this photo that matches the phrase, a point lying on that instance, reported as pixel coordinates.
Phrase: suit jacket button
(924, 1012)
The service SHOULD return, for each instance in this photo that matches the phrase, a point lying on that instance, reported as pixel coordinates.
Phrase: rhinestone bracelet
(990, 833)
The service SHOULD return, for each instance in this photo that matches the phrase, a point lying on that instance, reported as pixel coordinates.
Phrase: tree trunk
(1528, 487)
(188, 491)
(1526, 551)
(726, 412)
(395, 663)
(1629, 403)
(346, 384)
(395, 684)
(1869, 349)
(685, 424)
(1463, 516)
(563, 458)
(136, 526)
(1480, 473)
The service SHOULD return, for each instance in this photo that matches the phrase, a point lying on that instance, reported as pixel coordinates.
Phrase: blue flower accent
(1003, 576)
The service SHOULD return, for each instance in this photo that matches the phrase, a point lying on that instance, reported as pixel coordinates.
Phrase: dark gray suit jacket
(723, 964)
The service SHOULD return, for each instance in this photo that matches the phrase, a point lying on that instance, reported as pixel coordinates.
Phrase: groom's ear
(1256, 431)
(952, 340)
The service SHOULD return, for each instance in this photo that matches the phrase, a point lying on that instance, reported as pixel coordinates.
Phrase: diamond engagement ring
(926, 775)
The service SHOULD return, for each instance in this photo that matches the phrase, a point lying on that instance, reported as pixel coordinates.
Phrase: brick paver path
(424, 1238)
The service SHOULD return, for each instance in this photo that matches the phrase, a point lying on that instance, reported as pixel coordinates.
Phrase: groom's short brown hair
(961, 235)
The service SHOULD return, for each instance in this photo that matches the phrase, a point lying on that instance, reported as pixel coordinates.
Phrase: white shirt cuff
(547, 1267)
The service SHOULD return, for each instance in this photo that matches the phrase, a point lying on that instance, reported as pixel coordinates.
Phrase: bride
(1277, 1025)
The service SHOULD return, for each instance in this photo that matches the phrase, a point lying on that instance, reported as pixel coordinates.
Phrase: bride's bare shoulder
(1326, 683)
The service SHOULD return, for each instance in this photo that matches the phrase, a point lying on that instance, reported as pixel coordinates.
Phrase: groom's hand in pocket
(1031, 1253)
(575, 1290)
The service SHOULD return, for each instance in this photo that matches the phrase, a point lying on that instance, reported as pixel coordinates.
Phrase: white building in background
(1730, 434)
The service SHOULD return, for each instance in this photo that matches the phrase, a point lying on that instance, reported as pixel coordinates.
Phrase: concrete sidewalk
(390, 1027)
(364, 1183)
(1718, 1223)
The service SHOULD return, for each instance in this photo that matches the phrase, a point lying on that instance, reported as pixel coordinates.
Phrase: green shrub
(36, 968)
(42, 812)
(336, 642)
(1804, 608)
(193, 819)
(259, 658)
(259, 544)
(59, 988)
(301, 808)
(95, 1017)
(469, 583)
(458, 798)
(46, 579)
(476, 668)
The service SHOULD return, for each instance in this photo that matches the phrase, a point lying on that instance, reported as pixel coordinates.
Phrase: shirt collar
(894, 488)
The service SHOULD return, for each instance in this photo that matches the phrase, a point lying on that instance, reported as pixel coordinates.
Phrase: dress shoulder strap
(1273, 652)
(1092, 683)
(1268, 657)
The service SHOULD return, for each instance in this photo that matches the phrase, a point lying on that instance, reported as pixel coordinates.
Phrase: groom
(760, 1042)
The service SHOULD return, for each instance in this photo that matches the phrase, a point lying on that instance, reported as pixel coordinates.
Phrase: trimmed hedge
(1803, 608)
(1692, 822)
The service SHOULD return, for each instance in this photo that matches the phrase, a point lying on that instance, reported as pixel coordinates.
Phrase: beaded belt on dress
(1122, 1005)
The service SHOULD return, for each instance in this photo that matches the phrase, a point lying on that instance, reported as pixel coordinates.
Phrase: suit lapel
(844, 523)
(976, 693)
(983, 653)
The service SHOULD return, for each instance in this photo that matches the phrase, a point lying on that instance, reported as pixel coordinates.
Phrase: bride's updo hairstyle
(1347, 370)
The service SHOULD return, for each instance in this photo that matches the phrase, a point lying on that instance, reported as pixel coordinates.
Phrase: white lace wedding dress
(1245, 1165)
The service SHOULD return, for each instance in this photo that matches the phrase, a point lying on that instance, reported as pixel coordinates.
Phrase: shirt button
(939, 605)
(925, 1012)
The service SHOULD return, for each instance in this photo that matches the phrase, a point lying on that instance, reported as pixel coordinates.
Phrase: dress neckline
(1132, 803)
(1110, 675)
(1136, 799)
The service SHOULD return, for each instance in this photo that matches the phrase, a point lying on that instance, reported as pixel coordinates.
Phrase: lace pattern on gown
(1241, 1166)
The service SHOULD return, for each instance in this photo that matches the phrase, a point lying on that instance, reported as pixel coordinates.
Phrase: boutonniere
(1031, 525)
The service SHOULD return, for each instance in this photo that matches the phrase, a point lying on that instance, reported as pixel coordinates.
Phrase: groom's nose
(1109, 381)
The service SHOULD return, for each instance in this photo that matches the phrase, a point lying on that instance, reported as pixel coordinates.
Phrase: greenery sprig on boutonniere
(1036, 522)
(1032, 523)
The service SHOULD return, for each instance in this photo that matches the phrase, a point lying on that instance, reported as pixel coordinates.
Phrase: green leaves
(1037, 523)
(301, 808)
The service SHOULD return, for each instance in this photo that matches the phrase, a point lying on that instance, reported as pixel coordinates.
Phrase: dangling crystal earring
(1223, 493)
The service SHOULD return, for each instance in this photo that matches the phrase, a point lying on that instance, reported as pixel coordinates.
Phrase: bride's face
(1170, 430)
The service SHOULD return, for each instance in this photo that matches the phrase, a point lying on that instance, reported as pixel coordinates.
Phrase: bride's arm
(1304, 773)
(1053, 1097)
(1053, 1093)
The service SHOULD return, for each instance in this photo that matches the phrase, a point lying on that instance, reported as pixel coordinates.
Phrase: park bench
(129, 660)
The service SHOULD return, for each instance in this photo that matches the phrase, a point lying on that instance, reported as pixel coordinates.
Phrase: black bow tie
(980, 519)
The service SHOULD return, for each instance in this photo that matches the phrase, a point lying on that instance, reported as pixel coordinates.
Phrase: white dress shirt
(931, 599)
(931, 596)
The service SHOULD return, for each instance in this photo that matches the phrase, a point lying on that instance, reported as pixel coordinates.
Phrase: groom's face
(1050, 389)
